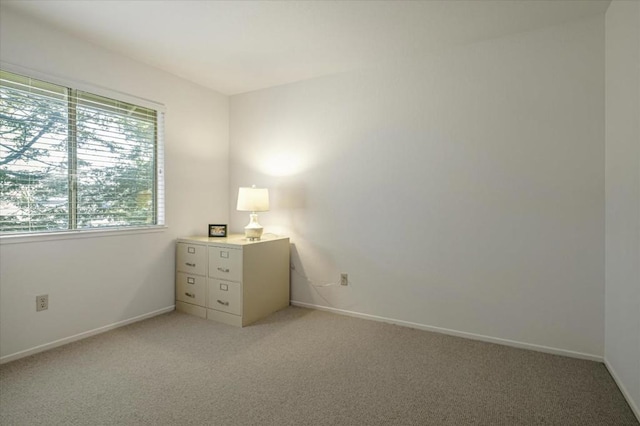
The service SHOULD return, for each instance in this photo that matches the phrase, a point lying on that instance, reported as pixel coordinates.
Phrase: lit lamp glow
(253, 200)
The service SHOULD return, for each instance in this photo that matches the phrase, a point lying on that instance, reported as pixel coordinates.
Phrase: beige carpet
(301, 367)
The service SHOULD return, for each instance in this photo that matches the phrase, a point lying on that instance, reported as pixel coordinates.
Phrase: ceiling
(240, 46)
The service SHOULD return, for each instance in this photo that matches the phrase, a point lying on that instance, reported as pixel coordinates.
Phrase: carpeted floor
(301, 367)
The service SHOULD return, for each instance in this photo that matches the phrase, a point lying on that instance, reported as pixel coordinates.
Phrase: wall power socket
(344, 279)
(42, 302)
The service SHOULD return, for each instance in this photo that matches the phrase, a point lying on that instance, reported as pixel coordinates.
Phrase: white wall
(464, 191)
(96, 282)
(622, 319)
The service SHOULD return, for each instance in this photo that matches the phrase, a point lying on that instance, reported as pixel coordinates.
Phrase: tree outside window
(74, 160)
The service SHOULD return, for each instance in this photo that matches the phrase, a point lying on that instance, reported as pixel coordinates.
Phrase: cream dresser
(232, 280)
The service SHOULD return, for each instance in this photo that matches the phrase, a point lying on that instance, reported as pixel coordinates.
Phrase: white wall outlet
(42, 302)
(344, 279)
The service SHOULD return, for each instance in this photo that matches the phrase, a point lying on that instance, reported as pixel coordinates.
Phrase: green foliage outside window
(73, 160)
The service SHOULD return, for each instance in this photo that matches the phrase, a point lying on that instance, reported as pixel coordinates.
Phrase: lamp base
(253, 231)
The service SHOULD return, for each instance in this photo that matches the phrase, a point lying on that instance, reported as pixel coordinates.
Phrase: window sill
(78, 234)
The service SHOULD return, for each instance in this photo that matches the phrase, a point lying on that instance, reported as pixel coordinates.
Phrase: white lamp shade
(253, 199)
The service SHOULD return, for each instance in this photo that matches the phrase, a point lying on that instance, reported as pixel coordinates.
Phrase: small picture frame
(217, 231)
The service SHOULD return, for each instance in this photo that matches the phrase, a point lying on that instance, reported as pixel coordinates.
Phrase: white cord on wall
(315, 285)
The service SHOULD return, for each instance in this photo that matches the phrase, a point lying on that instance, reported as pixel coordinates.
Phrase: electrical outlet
(344, 279)
(42, 302)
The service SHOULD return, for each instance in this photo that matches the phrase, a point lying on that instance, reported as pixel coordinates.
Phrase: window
(72, 160)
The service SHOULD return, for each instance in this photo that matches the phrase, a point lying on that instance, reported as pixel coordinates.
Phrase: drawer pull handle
(191, 295)
(193, 265)
(223, 269)
(223, 303)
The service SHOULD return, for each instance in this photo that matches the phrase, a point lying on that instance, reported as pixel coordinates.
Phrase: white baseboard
(84, 335)
(489, 339)
(623, 389)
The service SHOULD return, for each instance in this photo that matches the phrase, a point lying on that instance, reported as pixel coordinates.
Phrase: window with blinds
(72, 160)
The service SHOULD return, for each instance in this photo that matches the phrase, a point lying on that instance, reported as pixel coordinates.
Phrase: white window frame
(160, 185)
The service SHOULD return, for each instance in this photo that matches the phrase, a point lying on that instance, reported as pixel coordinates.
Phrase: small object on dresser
(253, 200)
(217, 230)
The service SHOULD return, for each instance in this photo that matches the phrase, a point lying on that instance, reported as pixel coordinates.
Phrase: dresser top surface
(233, 239)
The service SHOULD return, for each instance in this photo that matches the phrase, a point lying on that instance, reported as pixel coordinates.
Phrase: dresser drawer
(191, 258)
(190, 288)
(225, 296)
(225, 263)
(190, 309)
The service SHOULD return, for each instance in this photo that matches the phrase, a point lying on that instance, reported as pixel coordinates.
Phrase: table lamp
(253, 200)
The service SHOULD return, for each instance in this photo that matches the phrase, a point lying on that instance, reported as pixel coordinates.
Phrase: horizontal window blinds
(75, 160)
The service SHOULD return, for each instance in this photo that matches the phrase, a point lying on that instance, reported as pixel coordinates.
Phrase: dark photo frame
(217, 231)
